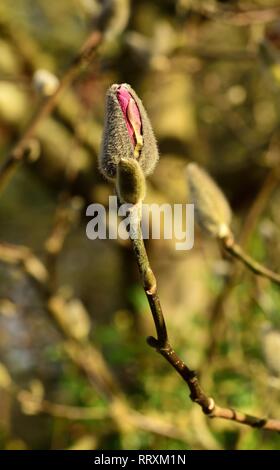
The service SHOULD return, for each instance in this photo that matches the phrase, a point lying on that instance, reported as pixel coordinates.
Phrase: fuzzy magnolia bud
(131, 184)
(45, 82)
(212, 210)
(127, 132)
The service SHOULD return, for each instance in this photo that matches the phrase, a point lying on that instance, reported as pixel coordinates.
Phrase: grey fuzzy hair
(211, 207)
(116, 143)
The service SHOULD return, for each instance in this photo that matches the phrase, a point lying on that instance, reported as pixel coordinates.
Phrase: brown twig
(243, 418)
(163, 346)
(83, 58)
(257, 208)
(237, 251)
(269, 185)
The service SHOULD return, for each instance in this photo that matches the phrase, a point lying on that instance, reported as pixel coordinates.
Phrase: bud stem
(236, 251)
(161, 343)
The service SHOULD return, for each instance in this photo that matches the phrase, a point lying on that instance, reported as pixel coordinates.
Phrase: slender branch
(216, 314)
(243, 418)
(259, 204)
(148, 278)
(83, 58)
(236, 250)
(163, 346)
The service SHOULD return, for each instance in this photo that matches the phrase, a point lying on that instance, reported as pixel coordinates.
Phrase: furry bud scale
(212, 210)
(131, 184)
(127, 132)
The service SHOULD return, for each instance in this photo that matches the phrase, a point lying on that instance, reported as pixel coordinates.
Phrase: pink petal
(130, 111)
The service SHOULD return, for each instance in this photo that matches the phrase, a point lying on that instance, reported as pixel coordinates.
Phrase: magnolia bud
(131, 184)
(212, 210)
(127, 132)
(45, 82)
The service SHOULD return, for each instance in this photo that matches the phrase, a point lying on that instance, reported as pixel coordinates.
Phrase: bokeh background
(75, 369)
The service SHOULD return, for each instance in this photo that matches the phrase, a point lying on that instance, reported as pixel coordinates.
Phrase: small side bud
(131, 184)
(127, 132)
(45, 82)
(212, 210)
(32, 151)
(149, 281)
